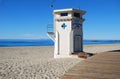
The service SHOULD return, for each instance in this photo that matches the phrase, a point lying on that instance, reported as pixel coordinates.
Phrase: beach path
(104, 65)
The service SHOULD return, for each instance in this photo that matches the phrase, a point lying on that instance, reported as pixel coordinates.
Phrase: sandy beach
(38, 62)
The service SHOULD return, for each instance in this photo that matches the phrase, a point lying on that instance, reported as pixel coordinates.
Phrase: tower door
(77, 44)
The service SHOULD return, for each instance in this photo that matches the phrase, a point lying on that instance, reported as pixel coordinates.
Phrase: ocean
(47, 42)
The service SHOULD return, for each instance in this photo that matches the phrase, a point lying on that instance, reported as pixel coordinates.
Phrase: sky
(27, 19)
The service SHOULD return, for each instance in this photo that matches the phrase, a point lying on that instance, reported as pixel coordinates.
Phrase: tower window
(76, 14)
(64, 14)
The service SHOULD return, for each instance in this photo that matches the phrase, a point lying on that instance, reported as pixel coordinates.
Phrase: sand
(38, 62)
(101, 48)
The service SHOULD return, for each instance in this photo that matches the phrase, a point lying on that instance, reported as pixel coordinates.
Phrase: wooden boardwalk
(101, 66)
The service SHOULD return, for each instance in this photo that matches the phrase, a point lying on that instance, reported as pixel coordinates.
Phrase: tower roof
(70, 10)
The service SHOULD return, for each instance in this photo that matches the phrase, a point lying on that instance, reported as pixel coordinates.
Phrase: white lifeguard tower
(68, 34)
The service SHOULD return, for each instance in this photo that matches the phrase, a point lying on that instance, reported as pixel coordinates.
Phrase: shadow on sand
(114, 51)
(90, 54)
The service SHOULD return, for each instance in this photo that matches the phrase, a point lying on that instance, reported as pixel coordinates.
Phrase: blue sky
(27, 19)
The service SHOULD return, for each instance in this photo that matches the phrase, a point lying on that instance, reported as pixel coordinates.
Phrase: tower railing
(50, 32)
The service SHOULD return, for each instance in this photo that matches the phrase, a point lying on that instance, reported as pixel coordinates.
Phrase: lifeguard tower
(68, 34)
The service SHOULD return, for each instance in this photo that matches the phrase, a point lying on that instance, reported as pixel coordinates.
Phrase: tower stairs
(50, 32)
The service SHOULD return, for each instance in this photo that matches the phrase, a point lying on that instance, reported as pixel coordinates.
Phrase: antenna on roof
(51, 6)
(78, 7)
(52, 2)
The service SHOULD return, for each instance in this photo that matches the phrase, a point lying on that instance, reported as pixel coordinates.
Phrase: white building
(68, 32)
